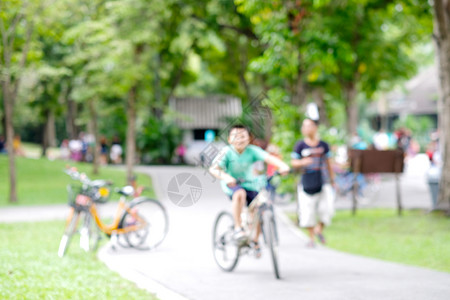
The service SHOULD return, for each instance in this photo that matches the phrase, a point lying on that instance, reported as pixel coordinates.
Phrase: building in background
(202, 119)
(418, 98)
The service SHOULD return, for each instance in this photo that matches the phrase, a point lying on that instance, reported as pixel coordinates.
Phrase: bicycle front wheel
(225, 248)
(89, 234)
(271, 239)
(71, 226)
(150, 219)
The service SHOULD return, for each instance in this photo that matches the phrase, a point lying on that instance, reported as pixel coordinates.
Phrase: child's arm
(301, 162)
(217, 172)
(330, 171)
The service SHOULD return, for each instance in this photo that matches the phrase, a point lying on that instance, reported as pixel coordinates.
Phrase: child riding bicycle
(235, 163)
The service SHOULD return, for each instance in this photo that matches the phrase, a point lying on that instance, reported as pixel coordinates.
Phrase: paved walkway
(183, 266)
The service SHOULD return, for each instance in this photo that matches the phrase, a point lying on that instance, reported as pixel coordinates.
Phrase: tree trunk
(49, 136)
(131, 120)
(51, 127)
(11, 86)
(442, 42)
(8, 100)
(156, 109)
(45, 135)
(299, 92)
(71, 128)
(351, 109)
(94, 128)
(131, 132)
(318, 97)
(9, 107)
(243, 61)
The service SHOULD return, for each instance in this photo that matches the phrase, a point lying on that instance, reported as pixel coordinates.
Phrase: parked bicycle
(367, 185)
(227, 250)
(141, 223)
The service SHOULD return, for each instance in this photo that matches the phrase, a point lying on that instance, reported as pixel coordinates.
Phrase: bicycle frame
(122, 207)
(255, 209)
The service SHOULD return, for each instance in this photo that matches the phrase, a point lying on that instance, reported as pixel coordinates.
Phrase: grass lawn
(31, 269)
(416, 238)
(42, 181)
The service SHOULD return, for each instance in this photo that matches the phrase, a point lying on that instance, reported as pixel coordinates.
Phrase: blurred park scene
(137, 91)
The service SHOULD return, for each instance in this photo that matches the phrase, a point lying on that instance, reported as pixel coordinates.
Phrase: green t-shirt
(240, 166)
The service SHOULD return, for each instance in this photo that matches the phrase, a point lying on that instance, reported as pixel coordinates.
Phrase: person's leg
(311, 232)
(251, 196)
(325, 211)
(238, 200)
(307, 213)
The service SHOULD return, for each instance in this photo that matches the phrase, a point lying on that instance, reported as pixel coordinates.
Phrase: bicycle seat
(127, 190)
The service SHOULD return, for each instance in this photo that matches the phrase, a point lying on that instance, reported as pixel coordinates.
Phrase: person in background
(75, 147)
(116, 151)
(64, 153)
(316, 195)
(180, 152)
(381, 140)
(271, 169)
(17, 146)
(434, 173)
(2, 144)
(103, 151)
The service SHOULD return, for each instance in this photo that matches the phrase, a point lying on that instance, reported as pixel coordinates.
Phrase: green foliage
(417, 125)
(158, 140)
(94, 52)
(31, 269)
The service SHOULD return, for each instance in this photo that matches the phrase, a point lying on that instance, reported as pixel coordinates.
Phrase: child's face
(239, 138)
(309, 128)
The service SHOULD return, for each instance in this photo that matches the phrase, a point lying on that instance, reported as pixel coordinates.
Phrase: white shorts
(315, 207)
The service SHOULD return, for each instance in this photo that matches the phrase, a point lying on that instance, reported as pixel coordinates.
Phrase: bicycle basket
(77, 196)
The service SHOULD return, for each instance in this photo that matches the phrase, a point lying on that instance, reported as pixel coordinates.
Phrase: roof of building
(205, 112)
(419, 97)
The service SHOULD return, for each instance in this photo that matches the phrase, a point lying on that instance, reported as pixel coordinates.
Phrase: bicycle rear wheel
(71, 226)
(151, 220)
(271, 239)
(225, 248)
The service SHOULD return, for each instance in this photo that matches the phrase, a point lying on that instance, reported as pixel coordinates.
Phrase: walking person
(315, 195)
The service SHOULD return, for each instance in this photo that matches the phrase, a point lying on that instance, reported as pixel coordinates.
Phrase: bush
(158, 140)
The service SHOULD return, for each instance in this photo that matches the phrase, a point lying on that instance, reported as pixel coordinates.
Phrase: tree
(16, 29)
(442, 41)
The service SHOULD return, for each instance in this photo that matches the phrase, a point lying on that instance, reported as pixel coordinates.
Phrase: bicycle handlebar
(268, 179)
(84, 179)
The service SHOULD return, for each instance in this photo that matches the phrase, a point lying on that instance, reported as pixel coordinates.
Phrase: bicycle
(367, 185)
(141, 223)
(227, 250)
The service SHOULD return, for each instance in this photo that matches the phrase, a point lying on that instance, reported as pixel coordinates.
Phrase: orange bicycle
(141, 223)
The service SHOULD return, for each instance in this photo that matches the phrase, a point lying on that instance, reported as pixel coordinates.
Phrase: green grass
(41, 181)
(416, 238)
(31, 269)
